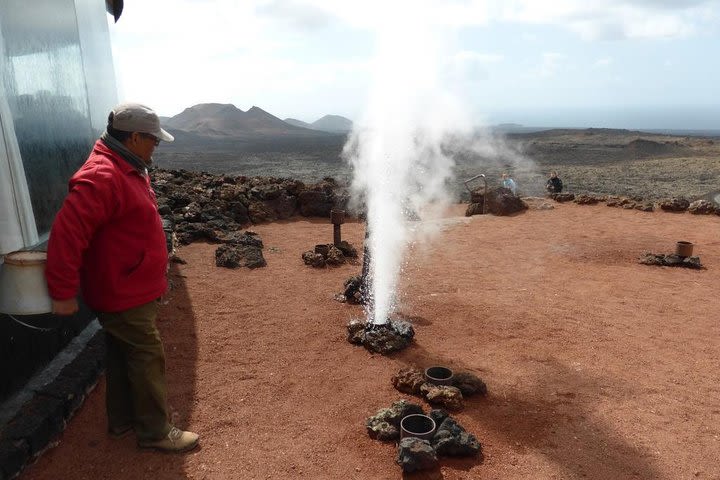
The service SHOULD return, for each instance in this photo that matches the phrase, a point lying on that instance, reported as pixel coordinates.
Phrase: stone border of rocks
(674, 205)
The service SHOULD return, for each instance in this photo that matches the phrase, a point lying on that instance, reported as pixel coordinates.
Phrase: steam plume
(399, 167)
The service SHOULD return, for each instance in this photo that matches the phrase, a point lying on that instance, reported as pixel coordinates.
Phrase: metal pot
(23, 290)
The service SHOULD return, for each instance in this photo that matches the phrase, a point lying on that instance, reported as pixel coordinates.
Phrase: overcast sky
(604, 63)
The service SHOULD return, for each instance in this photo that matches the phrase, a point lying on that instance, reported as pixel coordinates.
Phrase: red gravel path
(597, 366)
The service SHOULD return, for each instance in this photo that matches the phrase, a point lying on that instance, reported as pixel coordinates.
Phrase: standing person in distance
(107, 241)
(554, 184)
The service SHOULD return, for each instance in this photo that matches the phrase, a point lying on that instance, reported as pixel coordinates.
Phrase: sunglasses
(153, 137)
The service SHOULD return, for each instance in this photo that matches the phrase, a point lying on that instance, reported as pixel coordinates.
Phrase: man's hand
(65, 307)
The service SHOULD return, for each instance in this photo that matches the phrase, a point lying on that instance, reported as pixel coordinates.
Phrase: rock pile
(671, 260)
(353, 290)
(703, 207)
(675, 204)
(584, 199)
(411, 380)
(329, 254)
(630, 203)
(450, 439)
(382, 338)
(562, 197)
(203, 206)
(240, 250)
(500, 201)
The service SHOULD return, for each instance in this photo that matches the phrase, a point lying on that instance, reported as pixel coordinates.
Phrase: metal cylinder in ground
(439, 375)
(684, 249)
(417, 425)
(337, 218)
(336, 235)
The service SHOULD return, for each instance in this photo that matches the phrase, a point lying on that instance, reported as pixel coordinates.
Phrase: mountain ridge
(225, 120)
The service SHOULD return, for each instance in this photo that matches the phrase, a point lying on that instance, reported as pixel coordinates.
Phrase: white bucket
(23, 289)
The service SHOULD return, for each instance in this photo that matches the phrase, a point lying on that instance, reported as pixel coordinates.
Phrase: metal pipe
(482, 175)
(337, 218)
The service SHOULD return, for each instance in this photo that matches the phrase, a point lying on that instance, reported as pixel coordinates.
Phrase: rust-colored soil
(597, 366)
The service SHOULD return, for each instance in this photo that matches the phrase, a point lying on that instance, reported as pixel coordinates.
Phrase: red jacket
(108, 238)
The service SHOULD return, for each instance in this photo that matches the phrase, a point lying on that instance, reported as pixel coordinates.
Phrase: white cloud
(615, 19)
(550, 64)
(297, 13)
(603, 62)
(592, 19)
(467, 56)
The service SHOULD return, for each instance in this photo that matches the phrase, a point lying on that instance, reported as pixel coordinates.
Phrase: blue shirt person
(509, 183)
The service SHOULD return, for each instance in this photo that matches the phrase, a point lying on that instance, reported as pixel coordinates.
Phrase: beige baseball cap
(134, 117)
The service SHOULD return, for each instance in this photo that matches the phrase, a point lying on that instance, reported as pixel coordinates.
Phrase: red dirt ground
(597, 366)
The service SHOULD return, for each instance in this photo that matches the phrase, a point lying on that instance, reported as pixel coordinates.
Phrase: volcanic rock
(409, 380)
(671, 260)
(645, 207)
(701, 207)
(235, 255)
(317, 200)
(586, 199)
(328, 254)
(452, 440)
(469, 384)
(313, 259)
(193, 212)
(445, 395)
(449, 439)
(385, 338)
(347, 249)
(412, 380)
(260, 212)
(356, 331)
(393, 335)
(438, 415)
(562, 197)
(187, 232)
(385, 424)
(500, 201)
(335, 256)
(248, 238)
(675, 204)
(353, 290)
(474, 209)
(415, 454)
(613, 201)
(233, 202)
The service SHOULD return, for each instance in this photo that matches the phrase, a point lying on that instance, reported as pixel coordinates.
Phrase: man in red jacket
(107, 241)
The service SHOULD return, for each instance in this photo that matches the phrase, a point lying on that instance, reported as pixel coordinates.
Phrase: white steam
(399, 168)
